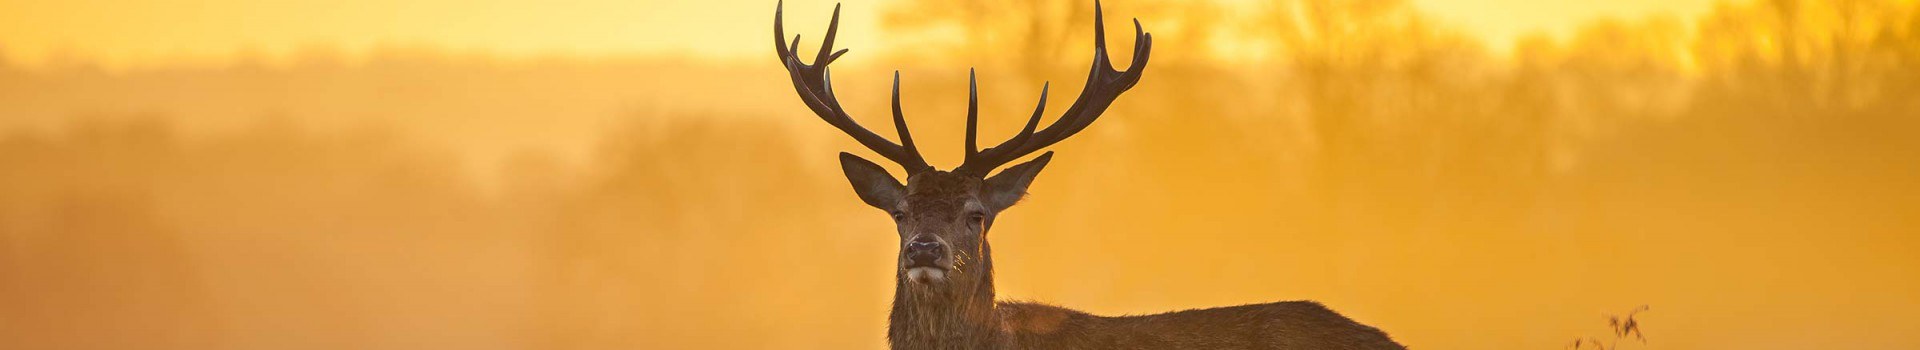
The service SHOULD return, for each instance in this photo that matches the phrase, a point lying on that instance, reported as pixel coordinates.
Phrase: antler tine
(1104, 85)
(1100, 38)
(900, 127)
(1034, 121)
(780, 32)
(833, 27)
(973, 113)
(814, 84)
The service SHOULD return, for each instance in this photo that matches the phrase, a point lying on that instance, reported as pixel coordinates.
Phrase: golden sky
(1413, 183)
(126, 33)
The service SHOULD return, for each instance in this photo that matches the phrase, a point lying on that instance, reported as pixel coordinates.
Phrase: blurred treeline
(1757, 161)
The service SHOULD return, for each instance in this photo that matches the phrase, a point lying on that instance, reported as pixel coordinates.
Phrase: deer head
(942, 216)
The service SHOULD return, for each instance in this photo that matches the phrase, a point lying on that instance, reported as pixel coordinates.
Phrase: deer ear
(1007, 187)
(874, 185)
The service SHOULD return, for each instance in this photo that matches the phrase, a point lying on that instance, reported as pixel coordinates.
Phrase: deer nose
(924, 251)
(924, 247)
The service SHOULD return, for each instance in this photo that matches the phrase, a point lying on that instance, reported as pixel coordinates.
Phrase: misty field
(1753, 173)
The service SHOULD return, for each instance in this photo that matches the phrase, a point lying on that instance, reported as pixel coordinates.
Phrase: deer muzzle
(924, 260)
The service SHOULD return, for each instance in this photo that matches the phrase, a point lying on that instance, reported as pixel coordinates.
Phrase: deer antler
(815, 86)
(1104, 84)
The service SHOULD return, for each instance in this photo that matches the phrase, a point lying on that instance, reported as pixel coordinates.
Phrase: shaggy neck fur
(960, 315)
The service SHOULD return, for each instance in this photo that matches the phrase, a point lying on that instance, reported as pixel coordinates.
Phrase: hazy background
(1481, 174)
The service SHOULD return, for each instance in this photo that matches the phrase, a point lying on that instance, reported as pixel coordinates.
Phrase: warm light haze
(1470, 174)
(148, 33)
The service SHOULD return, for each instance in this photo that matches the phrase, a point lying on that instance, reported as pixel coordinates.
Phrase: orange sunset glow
(639, 174)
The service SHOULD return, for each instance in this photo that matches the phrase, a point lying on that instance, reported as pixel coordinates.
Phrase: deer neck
(954, 318)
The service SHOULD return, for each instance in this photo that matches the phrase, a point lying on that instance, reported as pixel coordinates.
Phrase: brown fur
(962, 313)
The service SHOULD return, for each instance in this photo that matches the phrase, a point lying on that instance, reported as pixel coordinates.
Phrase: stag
(944, 295)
